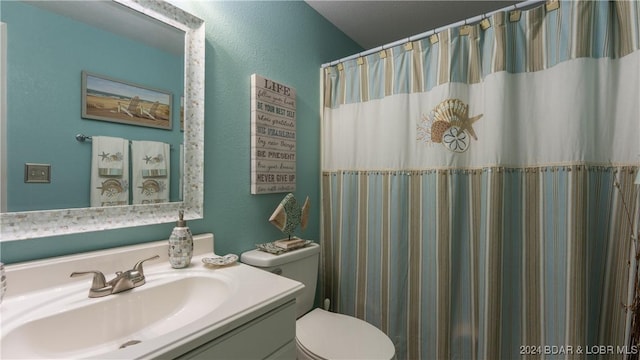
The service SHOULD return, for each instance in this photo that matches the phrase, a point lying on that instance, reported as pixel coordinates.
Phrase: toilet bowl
(321, 334)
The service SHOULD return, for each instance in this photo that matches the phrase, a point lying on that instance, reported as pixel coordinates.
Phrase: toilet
(321, 334)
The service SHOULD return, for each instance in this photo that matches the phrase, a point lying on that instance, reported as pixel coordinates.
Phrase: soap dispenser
(180, 244)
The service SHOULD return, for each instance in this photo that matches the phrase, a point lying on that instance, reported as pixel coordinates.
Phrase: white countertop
(253, 293)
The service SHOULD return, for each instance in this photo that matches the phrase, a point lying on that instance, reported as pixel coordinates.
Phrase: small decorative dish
(220, 260)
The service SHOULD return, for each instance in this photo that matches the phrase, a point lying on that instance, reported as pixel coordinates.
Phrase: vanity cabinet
(269, 336)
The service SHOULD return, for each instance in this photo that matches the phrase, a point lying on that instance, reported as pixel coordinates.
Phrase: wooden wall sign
(273, 136)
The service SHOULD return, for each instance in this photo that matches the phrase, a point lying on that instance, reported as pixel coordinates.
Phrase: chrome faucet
(123, 281)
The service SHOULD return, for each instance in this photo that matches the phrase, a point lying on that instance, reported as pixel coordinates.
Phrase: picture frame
(109, 99)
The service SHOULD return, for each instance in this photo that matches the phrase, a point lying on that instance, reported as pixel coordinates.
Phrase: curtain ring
(514, 15)
(465, 29)
(485, 23)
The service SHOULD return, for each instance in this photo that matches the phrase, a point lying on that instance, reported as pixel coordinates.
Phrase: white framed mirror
(18, 225)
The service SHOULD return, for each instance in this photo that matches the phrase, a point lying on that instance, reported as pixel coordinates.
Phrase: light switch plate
(37, 173)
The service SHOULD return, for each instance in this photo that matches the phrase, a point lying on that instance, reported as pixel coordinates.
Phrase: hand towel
(150, 172)
(109, 171)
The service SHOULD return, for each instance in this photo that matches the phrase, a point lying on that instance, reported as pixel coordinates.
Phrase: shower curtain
(475, 185)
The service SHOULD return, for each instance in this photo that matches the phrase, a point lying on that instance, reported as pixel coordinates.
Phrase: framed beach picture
(108, 99)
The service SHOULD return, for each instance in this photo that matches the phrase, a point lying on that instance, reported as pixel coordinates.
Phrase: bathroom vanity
(270, 336)
(200, 312)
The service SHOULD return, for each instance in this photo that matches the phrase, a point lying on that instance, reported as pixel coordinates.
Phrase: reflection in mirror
(152, 45)
(50, 45)
(3, 123)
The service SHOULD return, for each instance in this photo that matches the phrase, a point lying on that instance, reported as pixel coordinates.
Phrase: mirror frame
(35, 224)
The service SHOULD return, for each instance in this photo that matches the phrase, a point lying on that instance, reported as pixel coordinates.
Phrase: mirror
(132, 16)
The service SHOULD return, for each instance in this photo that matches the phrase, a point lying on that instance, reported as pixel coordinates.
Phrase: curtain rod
(431, 32)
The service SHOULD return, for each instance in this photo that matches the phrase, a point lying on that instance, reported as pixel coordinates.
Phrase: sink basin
(69, 324)
(47, 315)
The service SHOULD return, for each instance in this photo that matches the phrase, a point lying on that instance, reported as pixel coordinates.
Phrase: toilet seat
(325, 335)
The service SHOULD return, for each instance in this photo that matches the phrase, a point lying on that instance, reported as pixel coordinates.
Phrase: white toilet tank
(300, 265)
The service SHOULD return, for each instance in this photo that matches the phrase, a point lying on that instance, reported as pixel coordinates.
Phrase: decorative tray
(220, 260)
(270, 247)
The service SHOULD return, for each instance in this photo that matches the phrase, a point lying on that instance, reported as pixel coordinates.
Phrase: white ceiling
(120, 20)
(375, 23)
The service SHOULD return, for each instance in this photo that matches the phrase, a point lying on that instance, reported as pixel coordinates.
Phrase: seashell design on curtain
(469, 199)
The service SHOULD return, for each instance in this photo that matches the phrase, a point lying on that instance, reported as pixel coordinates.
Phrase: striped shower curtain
(475, 185)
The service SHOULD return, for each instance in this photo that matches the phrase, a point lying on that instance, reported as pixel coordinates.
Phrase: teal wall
(284, 41)
(44, 64)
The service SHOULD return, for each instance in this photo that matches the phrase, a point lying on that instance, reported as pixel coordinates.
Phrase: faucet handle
(138, 266)
(98, 278)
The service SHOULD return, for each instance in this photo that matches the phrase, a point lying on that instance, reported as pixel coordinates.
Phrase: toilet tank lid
(264, 259)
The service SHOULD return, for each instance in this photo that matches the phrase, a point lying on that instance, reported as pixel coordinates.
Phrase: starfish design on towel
(108, 157)
(153, 160)
(116, 157)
